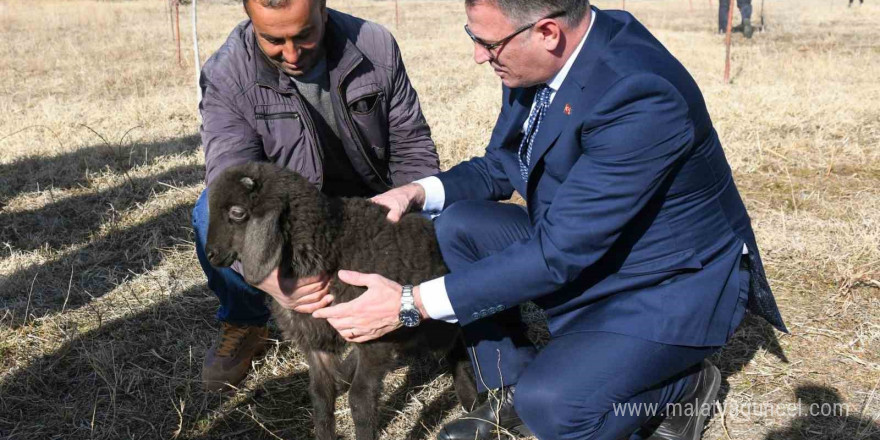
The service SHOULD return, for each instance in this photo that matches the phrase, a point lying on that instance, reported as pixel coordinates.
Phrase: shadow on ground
(282, 406)
(136, 377)
(81, 263)
(752, 336)
(823, 415)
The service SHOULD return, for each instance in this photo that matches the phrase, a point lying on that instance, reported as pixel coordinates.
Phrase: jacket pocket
(366, 104)
(281, 128)
(370, 115)
(678, 262)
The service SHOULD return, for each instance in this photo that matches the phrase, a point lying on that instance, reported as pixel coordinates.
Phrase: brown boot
(229, 359)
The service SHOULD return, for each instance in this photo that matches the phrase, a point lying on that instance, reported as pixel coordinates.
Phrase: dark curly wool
(268, 217)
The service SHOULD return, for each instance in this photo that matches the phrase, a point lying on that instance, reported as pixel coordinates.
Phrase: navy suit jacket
(638, 227)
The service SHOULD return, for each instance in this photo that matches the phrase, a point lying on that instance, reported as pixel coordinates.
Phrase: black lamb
(268, 217)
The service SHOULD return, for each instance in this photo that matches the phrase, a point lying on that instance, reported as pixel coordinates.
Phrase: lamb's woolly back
(326, 234)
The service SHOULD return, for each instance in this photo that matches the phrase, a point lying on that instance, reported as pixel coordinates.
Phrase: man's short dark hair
(272, 3)
(268, 3)
(525, 11)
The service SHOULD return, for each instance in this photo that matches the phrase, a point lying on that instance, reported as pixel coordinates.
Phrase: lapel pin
(567, 109)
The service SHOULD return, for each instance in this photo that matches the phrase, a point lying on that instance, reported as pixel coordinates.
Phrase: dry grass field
(104, 314)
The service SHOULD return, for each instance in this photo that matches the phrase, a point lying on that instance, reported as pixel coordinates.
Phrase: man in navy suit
(634, 240)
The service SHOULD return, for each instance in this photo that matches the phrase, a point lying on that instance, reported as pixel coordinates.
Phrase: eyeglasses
(492, 46)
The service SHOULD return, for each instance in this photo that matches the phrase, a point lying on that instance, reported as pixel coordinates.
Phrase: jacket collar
(342, 57)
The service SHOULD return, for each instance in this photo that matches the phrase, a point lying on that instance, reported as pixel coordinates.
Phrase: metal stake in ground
(177, 30)
(170, 16)
(727, 42)
(197, 61)
(397, 14)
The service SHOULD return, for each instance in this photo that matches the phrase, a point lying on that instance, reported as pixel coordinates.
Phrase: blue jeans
(240, 303)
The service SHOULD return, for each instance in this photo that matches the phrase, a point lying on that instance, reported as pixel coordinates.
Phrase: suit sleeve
(481, 178)
(413, 154)
(227, 137)
(631, 142)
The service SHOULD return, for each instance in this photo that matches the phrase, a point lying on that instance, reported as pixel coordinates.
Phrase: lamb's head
(245, 206)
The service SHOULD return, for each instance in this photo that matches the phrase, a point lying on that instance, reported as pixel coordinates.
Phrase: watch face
(410, 317)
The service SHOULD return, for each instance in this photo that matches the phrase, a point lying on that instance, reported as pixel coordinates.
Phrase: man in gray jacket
(319, 92)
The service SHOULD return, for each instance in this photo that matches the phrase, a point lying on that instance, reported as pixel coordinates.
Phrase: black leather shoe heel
(695, 407)
(491, 417)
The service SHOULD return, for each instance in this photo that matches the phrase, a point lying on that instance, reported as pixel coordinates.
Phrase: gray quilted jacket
(251, 111)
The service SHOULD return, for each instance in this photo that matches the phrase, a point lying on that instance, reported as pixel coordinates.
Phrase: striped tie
(542, 101)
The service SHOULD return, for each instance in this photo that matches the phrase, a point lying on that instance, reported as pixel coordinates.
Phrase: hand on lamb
(303, 295)
(372, 315)
(400, 200)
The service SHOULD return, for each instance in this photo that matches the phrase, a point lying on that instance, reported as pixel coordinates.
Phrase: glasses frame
(492, 46)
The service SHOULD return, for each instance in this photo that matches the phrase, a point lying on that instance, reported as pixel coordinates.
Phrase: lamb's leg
(463, 375)
(346, 372)
(373, 362)
(323, 370)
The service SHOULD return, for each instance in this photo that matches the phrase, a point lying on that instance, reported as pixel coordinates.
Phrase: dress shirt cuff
(436, 300)
(435, 195)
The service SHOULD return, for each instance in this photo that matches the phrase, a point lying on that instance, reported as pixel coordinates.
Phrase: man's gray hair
(525, 11)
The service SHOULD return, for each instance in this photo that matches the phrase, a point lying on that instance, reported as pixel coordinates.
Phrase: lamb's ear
(262, 246)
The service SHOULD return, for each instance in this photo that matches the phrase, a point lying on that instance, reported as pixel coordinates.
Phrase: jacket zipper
(356, 135)
(272, 116)
(310, 125)
(307, 119)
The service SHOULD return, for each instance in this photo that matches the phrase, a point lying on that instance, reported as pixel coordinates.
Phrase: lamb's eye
(237, 214)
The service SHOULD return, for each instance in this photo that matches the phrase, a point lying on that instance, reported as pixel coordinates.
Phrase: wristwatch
(409, 315)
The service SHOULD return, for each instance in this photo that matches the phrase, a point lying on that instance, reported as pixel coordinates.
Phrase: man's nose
(290, 53)
(481, 54)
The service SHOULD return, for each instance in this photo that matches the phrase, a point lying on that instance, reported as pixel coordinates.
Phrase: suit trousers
(586, 385)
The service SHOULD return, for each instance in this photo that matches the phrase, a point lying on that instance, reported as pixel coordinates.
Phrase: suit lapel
(519, 111)
(567, 104)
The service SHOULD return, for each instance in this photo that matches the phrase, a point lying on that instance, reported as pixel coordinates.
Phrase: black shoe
(747, 28)
(693, 408)
(494, 416)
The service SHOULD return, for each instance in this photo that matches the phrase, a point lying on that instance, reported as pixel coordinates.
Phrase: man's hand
(400, 200)
(371, 315)
(303, 295)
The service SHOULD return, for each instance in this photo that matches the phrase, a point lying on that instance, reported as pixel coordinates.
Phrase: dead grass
(104, 317)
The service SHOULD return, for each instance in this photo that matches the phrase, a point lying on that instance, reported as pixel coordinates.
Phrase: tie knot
(543, 94)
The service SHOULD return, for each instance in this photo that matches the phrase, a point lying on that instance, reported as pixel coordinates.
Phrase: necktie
(542, 101)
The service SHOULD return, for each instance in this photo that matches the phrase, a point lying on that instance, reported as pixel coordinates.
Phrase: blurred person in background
(745, 10)
(324, 94)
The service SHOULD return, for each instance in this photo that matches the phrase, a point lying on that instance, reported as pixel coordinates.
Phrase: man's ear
(550, 33)
(261, 252)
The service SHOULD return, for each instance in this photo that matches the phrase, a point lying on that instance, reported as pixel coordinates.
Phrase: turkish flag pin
(567, 109)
